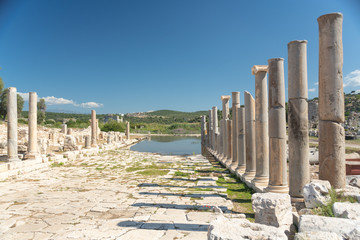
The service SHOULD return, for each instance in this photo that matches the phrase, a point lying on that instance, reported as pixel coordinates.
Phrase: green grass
(181, 174)
(153, 172)
(327, 209)
(201, 189)
(240, 194)
(55, 164)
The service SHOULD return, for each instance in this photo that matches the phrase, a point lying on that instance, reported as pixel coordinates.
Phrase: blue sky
(141, 55)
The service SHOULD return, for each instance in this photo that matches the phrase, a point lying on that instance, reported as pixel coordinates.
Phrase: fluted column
(225, 116)
(278, 182)
(229, 141)
(12, 125)
(235, 123)
(250, 136)
(32, 124)
(331, 101)
(299, 167)
(215, 128)
(261, 126)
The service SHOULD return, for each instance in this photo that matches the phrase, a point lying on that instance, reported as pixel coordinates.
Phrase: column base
(260, 181)
(249, 175)
(277, 189)
(233, 167)
(13, 159)
(297, 200)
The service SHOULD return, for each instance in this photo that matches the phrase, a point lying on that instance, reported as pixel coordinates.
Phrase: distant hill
(176, 114)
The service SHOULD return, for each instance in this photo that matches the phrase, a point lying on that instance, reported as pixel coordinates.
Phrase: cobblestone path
(118, 194)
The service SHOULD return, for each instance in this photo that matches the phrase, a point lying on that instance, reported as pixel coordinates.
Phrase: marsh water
(170, 145)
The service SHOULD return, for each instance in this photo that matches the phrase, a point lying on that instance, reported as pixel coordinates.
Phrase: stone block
(317, 236)
(316, 193)
(272, 209)
(347, 210)
(235, 229)
(346, 228)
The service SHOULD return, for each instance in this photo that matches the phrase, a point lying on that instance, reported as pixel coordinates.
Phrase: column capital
(227, 97)
(259, 68)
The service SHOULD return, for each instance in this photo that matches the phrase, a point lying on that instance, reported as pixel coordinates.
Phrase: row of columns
(253, 144)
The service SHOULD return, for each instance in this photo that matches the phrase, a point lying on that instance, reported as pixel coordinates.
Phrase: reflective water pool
(170, 145)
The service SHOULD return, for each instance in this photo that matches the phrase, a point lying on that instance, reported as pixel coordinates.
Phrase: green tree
(41, 107)
(1, 85)
(3, 104)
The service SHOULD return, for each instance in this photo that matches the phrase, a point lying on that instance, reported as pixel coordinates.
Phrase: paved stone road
(112, 196)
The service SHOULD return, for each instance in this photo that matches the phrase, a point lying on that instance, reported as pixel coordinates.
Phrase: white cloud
(90, 105)
(25, 96)
(312, 89)
(352, 79)
(317, 83)
(51, 100)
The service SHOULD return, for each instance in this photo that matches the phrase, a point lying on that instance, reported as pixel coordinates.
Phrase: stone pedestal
(299, 167)
(250, 137)
(261, 126)
(278, 182)
(12, 137)
(331, 101)
(32, 124)
(241, 142)
(235, 107)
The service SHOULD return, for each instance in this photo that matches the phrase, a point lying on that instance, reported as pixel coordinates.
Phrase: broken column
(225, 116)
(12, 144)
(235, 106)
(331, 101)
(93, 128)
(241, 142)
(127, 131)
(87, 142)
(277, 128)
(250, 136)
(32, 124)
(261, 126)
(64, 128)
(299, 169)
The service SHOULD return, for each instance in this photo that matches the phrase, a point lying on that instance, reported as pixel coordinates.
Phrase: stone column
(299, 169)
(277, 127)
(93, 128)
(32, 124)
(87, 142)
(229, 142)
(12, 125)
(210, 134)
(64, 128)
(221, 140)
(241, 142)
(331, 101)
(250, 137)
(203, 132)
(215, 127)
(109, 139)
(235, 123)
(69, 131)
(128, 130)
(261, 126)
(225, 116)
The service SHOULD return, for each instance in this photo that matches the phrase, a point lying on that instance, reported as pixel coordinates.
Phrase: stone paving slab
(107, 196)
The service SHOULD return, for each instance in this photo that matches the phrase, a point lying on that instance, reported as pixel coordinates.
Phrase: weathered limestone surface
(235, 106)
(241, 142)
(331, 100)
(250, 136)
(64, 128)
(241, 229)
(225, 116)
(299, 170)
(210, 133)
(277, 128)
(346, 228)
(12, 134)
(229, 142)
(332, 153)
(87, 142)
(316, 193)
(215, 127)
(317, 236)
(32, 124)
(261, 126)
(127, 131)
(273, 209)
(347, 210)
